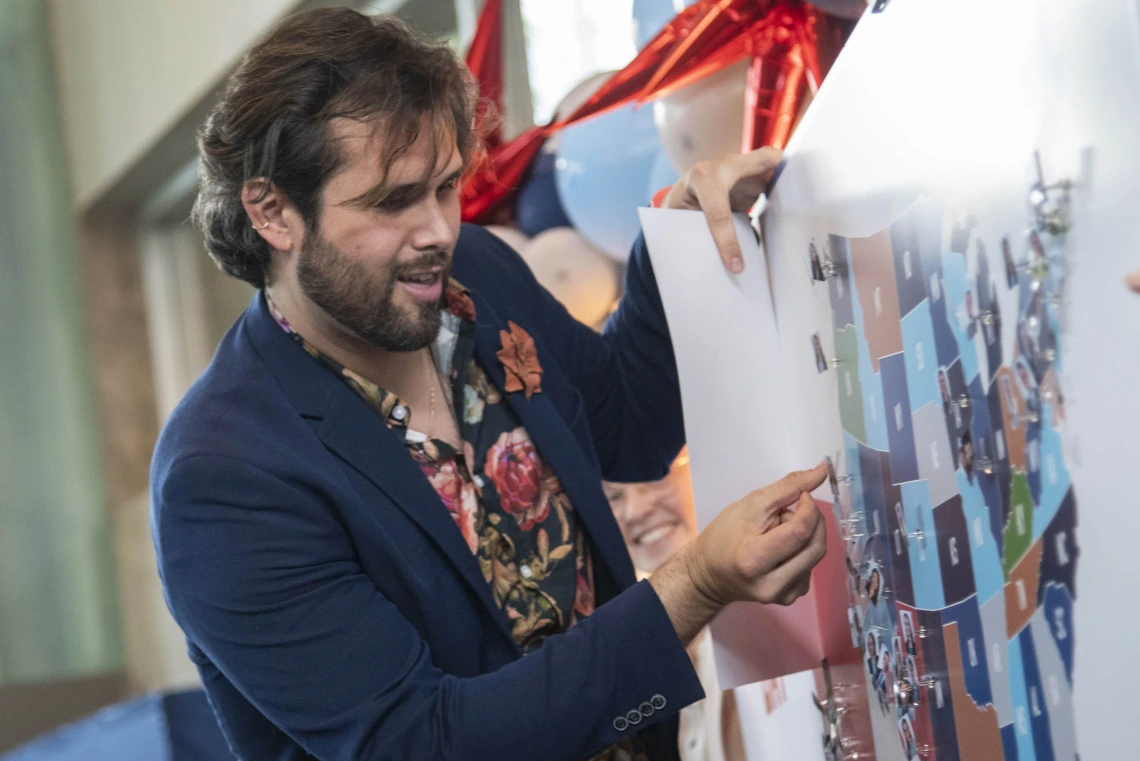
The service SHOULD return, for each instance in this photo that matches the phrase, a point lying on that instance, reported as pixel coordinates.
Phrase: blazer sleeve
(627, 376)
(264, 580)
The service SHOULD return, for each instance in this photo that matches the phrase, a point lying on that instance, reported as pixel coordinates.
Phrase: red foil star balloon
(780, 36)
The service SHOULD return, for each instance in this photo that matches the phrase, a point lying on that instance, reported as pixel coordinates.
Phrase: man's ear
(276, 220)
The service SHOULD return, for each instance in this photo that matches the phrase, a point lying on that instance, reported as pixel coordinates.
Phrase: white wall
(128, 70)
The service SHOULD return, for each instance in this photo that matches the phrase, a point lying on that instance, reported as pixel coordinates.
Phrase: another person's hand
(722, 187)
(760, 549)
(1132, 279)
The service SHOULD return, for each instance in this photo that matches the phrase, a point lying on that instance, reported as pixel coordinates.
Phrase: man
(657, 519)
(378, 515)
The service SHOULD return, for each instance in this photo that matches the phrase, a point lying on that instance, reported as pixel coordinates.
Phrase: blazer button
(634, 716)
(620, 724)
(646, 709)
(657, 701)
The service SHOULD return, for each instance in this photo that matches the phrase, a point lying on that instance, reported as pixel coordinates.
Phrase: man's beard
(361, 299)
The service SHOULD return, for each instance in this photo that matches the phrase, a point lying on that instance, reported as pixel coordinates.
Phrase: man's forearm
(676, 583)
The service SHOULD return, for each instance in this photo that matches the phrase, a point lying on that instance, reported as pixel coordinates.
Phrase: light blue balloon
(663, 174)
(601, 173)
(651, 16)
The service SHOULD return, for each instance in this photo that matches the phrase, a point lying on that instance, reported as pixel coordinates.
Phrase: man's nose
(435, 228)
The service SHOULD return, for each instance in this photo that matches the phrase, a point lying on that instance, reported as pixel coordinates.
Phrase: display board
(944, 249)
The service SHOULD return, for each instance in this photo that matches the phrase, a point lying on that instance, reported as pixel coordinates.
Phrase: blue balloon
(538, 207)
(603, 169)
(662, 175)
(651, 16)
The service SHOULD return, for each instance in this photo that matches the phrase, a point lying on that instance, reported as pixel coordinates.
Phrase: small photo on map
(873, 586)
(817, 348)
(966, 455)
(855, 621)
(871, 654)
(906, 623)
(906, 736)
(944, 388)
(1010, 266)
(911, 669)
(816, 264)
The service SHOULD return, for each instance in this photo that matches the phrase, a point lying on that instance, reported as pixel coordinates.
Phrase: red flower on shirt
(458, 497)
(514, 468)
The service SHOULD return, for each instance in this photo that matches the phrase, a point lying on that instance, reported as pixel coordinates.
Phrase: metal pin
(986, 465)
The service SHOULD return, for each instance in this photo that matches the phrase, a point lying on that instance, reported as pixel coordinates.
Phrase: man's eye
(451, 184)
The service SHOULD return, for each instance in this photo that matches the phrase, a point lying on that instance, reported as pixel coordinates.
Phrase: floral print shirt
(505, 500)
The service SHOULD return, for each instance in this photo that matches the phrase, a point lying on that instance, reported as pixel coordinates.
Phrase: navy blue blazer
(330, 604)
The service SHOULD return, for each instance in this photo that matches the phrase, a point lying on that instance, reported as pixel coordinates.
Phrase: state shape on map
(1018, 532)
(1023, 728)
(921, 358)
(1021, 591)
(954, 286)
(873, 266)
(839, 286)
(1057, 609)
(1035, 692)
(1060, 555)
(996, 636)
(925, 563)
(900, 420)
(1058, 694)
(973, 660)
(979, 735)
(1055, 480)
(936, 463)
(989, 310)
(985, 550)
(939, 701)
(910, 275)
(995, 483)
(848, 385)
(902, 583)
(954, 550)
(1012, 417)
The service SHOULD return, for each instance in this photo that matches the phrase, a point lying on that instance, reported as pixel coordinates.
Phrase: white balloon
(572, 101)
(575, 272)
(509, 235)
(704, 120)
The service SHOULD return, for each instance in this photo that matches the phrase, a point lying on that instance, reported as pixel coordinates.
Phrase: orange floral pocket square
(520, 361)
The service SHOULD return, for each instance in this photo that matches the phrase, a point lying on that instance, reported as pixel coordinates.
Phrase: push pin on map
(917, 535)
(1050, 201)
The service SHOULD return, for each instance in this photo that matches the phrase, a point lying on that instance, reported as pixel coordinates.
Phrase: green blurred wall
(58, 609)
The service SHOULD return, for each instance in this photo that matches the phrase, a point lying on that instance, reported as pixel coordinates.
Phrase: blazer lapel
(556, 443)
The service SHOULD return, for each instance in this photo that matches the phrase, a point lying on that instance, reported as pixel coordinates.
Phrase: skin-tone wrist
(680, 584)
